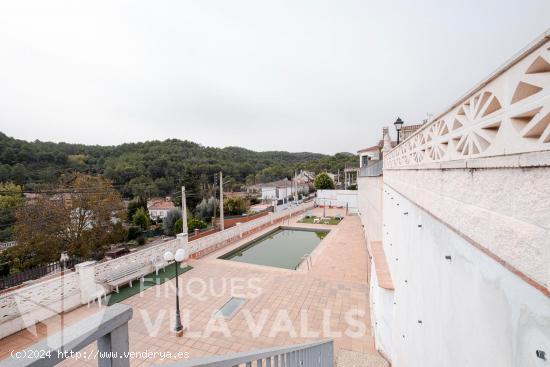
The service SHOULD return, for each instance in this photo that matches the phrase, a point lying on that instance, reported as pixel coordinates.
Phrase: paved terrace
(336, 284)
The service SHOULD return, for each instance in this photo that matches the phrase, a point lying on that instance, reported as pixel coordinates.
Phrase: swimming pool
(281, 248)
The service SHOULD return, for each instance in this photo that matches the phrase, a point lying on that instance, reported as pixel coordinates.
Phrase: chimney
(385, 131)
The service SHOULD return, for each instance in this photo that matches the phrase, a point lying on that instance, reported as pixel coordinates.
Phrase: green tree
(10, 199)
(323, 182)
(205, 209)
(178, 226)
(141, 219)
(83, 218)
(134, 205)
(169, 222)
(235, 206)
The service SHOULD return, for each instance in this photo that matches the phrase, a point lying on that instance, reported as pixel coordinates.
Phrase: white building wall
(473, 311)
(269, 193)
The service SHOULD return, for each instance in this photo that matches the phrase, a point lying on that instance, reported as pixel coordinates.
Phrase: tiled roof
(162, 205)
(377, 147)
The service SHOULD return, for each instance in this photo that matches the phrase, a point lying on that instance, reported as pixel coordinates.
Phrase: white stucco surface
(338, 198)
(467, 311)
(506, 210)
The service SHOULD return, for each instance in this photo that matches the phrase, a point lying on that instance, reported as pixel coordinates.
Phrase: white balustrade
(508, 113)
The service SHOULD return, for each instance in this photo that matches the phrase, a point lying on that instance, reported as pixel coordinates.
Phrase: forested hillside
(154, 167)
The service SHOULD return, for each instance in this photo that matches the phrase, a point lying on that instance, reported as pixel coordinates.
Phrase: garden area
(312, 219)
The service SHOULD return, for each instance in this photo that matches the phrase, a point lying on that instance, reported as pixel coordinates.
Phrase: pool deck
(324, 295)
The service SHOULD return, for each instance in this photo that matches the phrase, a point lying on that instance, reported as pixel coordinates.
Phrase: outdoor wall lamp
(178, 258)
(398, 124)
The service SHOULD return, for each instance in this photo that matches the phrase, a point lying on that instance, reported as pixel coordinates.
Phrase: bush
(133, 233)
(195, 223)
(253, 200)
(235, 206)
(141, 240)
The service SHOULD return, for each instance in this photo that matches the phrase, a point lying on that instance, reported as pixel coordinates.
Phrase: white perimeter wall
(369, 201)
(473, 311)
(338, 198)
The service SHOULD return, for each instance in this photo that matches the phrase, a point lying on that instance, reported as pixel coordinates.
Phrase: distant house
(282, 190)
(159, 207)
(305, 177)
(408, 130)
(277, 190)
(373, 153)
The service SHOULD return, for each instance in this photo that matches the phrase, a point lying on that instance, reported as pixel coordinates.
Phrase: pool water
(281, 248)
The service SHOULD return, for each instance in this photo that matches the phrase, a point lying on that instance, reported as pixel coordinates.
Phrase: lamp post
(398, 124)
(63, 261)
(178, 258)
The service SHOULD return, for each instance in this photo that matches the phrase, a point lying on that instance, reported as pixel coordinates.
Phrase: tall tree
(82, 217)
(10, 199)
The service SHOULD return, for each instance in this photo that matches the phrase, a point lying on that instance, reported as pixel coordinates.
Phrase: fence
(35, 273)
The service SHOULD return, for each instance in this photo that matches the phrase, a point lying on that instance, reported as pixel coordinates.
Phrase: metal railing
(318, 354)
(13, 280)
(373, 170)
(109, 328)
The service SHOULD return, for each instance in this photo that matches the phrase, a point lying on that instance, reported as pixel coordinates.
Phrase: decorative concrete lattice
(45, 294)
(143, 258)
(507, 114)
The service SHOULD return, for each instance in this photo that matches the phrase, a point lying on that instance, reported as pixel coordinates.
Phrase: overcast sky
(321, 76)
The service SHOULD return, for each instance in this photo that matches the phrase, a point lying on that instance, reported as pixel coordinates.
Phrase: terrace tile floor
(336, 284)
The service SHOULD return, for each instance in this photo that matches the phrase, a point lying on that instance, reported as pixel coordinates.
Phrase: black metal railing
(16, 279)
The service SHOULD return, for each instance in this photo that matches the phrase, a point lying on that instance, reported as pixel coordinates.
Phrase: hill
(154, 167)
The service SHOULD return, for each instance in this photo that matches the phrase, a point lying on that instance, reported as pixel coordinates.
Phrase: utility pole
(214, 195)
(183, 211)
(221, 202)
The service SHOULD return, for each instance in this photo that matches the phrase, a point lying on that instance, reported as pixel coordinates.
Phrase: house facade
(159, 207)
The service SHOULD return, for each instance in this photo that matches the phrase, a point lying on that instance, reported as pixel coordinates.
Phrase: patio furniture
(127, 275)
(316, 220)
(94, 292)
(158, 264)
